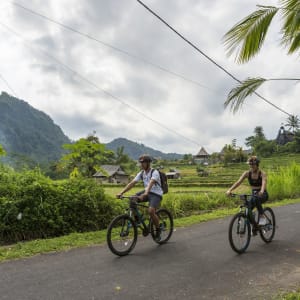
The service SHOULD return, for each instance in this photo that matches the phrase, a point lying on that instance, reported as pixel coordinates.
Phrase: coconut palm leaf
(291, 26)
(237, 95)
(293, 123)
(247, 36)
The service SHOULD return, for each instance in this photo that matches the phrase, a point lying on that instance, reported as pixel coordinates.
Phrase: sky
(107, 91)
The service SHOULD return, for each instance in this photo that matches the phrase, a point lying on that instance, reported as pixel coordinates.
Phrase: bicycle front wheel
(166, 226)
(239, 233)
(267, 231)
(121, 235)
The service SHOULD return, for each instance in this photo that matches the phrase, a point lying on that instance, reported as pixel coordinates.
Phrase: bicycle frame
(134, 212)
(247, 209)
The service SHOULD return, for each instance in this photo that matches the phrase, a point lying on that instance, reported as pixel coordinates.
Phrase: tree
(2, 151)
(258, 137)
(247, 37)
(85, 156)
(293, 123)
(121, 157)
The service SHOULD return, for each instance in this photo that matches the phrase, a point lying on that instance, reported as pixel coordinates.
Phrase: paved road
(197, 263)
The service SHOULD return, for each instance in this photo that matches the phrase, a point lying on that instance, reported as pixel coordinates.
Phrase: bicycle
(244, 223)
(122, 232)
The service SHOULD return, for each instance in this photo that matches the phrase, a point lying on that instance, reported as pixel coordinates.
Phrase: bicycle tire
(125, 235)
(268, 228)
(165, 218)
(243, 233)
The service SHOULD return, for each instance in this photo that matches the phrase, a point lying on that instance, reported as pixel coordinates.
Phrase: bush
(50, 208)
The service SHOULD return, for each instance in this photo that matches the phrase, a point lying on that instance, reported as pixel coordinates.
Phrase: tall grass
(284, 182)
(182, 205)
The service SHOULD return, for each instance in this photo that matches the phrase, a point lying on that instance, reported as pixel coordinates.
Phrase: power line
(208, 57)
(8, 85)
(112, 47)
(99, 88)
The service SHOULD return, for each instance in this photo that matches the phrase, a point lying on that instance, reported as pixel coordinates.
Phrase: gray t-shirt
(146, 177)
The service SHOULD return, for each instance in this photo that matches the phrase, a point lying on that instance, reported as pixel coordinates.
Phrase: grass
(289, 296)
(75, 240)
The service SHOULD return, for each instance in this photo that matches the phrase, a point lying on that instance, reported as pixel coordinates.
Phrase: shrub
(50, 208)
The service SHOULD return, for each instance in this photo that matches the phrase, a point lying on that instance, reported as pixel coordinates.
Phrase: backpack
(163, 179)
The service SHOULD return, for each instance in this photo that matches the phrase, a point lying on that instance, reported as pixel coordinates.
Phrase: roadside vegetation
(38, 214)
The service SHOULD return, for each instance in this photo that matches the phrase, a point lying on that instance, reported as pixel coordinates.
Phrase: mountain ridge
(28, 133)
(134, 150)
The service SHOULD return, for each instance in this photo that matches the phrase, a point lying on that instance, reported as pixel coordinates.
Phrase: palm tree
(247, 37)
(293, 123)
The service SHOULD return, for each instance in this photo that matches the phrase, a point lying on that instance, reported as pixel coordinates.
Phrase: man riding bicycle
(258, 182)
(152, 192)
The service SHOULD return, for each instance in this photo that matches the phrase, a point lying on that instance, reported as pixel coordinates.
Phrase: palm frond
(291, 27)
(237, 95)
(247, 36)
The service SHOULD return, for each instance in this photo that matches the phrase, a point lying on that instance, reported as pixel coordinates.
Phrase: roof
(111, 170)
(202, 152)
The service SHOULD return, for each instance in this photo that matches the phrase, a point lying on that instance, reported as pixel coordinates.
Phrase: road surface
(197, 263)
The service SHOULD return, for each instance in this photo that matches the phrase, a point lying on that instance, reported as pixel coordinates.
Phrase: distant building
(284, 136)
(201, 157)
(111, 174)
(173, 174)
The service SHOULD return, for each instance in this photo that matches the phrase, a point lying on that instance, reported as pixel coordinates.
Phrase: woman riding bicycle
(258, 182)
(153, 191)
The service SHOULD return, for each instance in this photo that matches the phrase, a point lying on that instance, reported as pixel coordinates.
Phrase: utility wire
(112, 47)
(99, 88)
(208, 57)
(7, 84)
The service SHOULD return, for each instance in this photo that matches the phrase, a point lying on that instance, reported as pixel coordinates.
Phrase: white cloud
(193, 111)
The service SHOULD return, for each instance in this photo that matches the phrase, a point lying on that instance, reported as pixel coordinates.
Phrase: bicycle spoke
(121, 235)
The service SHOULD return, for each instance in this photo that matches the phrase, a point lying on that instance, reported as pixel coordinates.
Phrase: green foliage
(293, 123)
(284, 182)
(85, 156)
(249, 34)
(28, 132)
(247, 37)
(50, 208)
(237, 95)
(233, 154)
(2, 151)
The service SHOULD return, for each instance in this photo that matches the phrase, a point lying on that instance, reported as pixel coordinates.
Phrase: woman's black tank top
(255, 182)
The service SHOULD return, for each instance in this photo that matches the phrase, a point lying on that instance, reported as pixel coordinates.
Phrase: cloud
(196, 113)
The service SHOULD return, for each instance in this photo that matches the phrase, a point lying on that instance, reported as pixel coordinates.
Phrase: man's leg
(154, 202)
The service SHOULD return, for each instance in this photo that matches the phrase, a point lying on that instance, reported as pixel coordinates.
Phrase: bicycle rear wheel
(166, 224)
(121, 235)
(267, 231)
(239, 233)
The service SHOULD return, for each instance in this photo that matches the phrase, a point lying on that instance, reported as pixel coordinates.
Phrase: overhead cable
(91, 83)
(207, 56)
(112, 47)
(8, 85)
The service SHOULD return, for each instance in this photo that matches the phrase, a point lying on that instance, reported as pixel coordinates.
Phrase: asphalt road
(197, 263)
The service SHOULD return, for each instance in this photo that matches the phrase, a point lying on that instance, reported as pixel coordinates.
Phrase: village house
(201, 157)
(173, 174)
(111, 174)
(284, 136)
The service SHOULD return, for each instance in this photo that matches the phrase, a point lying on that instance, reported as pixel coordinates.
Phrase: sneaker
(262, 221)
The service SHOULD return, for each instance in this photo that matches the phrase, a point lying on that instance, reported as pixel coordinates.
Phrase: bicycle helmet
(253, 160)
(145, 158)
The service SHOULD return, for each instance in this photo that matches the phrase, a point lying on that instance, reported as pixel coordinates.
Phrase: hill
(134, 150)
(26, 131)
